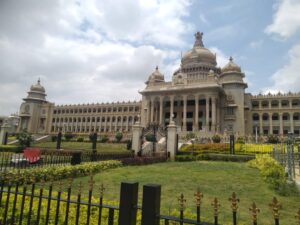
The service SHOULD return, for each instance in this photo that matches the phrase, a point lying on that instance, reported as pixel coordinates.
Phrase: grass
(101, 147)
(215, 179)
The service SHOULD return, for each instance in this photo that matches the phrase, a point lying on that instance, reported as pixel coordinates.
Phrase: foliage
(104, 139)
(128, 144)
(216, 138)
(80, 139)
(190, 135)
(273, 173)
(225, 157)
(143, 160)
(272, 138)
(11, 148)
(240, 140)
(119, 136)
(54, 138)
(150, 137)
(211, 147)
(185, 158)
(68, 136)
(24, 138)
(49, 173)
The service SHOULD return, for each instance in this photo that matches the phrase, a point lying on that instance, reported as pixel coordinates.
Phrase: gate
(153, 133)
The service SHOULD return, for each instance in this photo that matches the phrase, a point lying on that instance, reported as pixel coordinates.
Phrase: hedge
(11, 148)
(143, 160)
(51, 173)
(214, 157)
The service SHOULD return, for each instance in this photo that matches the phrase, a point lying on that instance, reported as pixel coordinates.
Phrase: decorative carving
(198, 39)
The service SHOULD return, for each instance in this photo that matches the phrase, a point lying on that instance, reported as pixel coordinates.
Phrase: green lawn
(101, 147)
(215, 179)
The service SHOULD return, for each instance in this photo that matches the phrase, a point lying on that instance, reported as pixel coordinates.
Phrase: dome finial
(198, 39)
(156, 67)
(230, 59)
(39, 81)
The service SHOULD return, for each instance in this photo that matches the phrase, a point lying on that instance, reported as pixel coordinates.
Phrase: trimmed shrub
(57, 173)
(68, 136)
(225, 157)
(119, 136)
(273, 139)
(128, 144)
(80, 139)
(240, 140)
(53, 138)
(150, 137)
(11, 148)
(185, 158)
(211, 147)
(24, 138)
(143, 160)
(216, 138)
(104, 139)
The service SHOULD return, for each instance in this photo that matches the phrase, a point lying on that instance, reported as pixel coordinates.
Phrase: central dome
(198, 54)
(37, 87)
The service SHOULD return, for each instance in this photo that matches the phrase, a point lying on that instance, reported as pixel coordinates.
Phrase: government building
(201, 98)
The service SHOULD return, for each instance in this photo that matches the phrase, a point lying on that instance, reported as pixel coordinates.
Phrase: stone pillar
(270, 124)
(184, 112)
(213, 114)
(280, 104)
(3, 130)
(152, 111)
(291, 123)
(280, 124)
(161, 101)
(207, 115)
(196, 125)
(171, 108)
(261, 132)
(136, 137)
(172, 140)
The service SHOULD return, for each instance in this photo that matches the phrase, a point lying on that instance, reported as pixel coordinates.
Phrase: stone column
(207, 115)
(261, 132)
(184, 112)
(136, 137)
(3, 130)
(152, 110)
(196, 125)
(279, 103)
(148, 112)
(172, 140)
(171, 107)
(280, 124)
(291, 123)
(270, 124)
(213, 112)
(161, 101)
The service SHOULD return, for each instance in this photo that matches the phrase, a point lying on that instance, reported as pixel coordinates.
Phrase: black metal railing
(40, 204)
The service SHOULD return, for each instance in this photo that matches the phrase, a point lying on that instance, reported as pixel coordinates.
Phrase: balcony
(230, 117)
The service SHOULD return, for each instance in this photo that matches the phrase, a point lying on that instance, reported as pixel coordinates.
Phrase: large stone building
(201, 97)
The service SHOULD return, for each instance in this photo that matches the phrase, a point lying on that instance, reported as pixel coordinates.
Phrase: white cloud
(256, 44)
(88, 50)
(286, 20)
(287, 78)
(222, 58)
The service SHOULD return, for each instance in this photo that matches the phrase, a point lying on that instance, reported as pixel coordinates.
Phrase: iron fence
(36, 204)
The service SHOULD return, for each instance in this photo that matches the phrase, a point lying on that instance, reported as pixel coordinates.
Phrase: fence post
(128, 203)
(151, 204)
(231, 141)
(58, 141)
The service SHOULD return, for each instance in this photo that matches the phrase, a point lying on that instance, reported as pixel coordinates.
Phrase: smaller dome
(156, 76)
(37, 87)
(231, 67)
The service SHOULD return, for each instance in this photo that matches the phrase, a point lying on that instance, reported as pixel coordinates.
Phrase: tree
(119, 136)
(24, 138)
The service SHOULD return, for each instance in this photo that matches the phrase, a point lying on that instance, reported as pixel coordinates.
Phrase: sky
(89, 51)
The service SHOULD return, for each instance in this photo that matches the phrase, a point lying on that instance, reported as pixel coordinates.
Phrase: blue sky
(89, 51)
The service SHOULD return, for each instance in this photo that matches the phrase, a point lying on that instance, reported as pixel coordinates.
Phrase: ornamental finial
(198, 39)
(230, 59)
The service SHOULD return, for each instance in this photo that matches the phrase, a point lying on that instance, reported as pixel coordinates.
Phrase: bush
(104, 139)
(80, 139)
(185, 158)
(56, 173)
(273, 139)
(68, 136)
(24, 138)
(119, 137)
(213, 147)
(273, 173)
(240, 140)
(225, 157)
(53, 138)
(143, 160)
(190, 136)
(11, 148)
(128, 144)
(216, 138)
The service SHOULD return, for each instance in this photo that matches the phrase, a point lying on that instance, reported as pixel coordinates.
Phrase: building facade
(201, 98)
